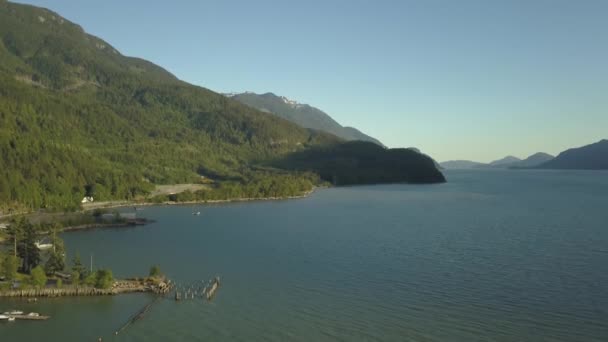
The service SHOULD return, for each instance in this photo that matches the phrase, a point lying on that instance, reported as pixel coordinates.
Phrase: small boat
(14, 312)
(33, 314)
(3, 317)
(196, 213)
(11, 319)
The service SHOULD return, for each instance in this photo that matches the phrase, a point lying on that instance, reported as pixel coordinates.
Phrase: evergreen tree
(26, 248)
(56, 261)
(75, 278)
(78, 267)
(15, 233)
(10, 264)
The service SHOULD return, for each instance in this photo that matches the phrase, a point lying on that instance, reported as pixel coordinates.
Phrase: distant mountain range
(301, 114)
(504, 163)
(534, 160)
(589, 157)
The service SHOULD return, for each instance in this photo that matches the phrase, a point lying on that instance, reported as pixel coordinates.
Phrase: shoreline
(118, 287)
(126, 204)
(150, 204)
(105, 225)
(171, 203)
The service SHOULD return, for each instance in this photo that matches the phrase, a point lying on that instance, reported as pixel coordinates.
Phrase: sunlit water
(489, 256)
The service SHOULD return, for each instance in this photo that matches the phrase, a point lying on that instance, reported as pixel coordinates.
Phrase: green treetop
(10, 264)
(38, 277)
(155, 271)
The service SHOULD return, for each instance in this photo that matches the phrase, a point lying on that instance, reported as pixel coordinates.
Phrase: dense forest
(78, 118)
(358, 162)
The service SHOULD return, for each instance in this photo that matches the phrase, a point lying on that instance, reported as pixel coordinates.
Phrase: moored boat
(14, 312)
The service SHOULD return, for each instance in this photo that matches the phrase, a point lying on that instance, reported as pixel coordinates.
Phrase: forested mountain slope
(75, 114)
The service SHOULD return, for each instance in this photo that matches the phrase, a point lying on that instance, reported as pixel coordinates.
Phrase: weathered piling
(137, 316)
(214, 286)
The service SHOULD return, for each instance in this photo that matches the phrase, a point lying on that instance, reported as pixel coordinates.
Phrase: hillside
(589, 157)
(302, 114)
(77, 117)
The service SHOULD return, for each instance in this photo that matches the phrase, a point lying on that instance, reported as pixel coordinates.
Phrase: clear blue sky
(458, 79)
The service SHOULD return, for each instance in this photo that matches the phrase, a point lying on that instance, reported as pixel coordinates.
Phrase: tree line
(25, 262)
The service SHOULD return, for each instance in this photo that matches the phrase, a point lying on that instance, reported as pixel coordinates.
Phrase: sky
(468, 79)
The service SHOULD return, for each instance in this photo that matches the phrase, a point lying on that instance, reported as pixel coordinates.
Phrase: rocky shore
(118, 287)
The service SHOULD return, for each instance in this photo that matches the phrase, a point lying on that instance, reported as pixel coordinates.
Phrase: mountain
(589, 157)
(301, 114)
(504, 163)
(533, 160)
(76, 117)
(508, 160)
(461, 164)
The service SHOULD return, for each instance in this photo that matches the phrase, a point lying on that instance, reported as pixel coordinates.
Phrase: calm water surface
(489, 256)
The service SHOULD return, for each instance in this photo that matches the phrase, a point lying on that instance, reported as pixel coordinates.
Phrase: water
(489, 256)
